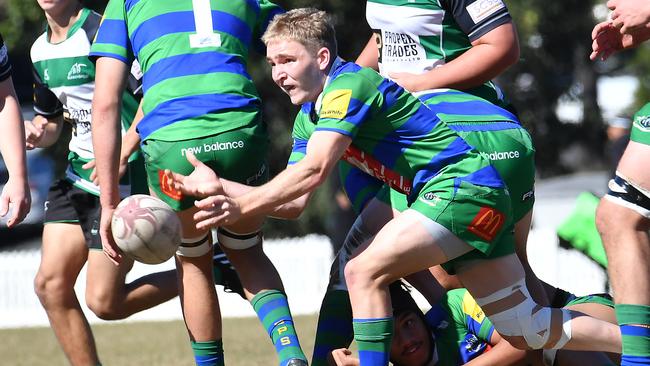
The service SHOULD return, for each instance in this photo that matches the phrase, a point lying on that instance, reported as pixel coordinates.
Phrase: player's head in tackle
(301, 48)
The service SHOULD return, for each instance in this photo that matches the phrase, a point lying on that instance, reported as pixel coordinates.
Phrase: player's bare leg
(242, 243)
(110, 298)
(623, 220)
(196, 287)
(369, 274)
(61, 261)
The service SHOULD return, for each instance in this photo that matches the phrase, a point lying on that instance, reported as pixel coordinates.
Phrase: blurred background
(566, 101)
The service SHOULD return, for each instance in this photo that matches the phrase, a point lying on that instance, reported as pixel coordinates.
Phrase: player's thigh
(103, 278)
(634, 162)
(486, 276)
(403, 246)
(63, 252)
(64, 248)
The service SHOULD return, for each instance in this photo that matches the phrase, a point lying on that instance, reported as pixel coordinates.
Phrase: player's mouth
(411, 348)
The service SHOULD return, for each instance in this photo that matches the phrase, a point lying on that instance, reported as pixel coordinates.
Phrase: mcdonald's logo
(167, 188)
(487, 223)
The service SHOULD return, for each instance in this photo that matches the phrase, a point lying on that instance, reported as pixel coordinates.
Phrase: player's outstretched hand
(108, 243)
(216, 211)
(15, 194)
(629, 16)
(202, 182)
(606, 40)
(343, 357)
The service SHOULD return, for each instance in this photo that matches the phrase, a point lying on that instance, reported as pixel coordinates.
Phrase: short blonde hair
(308, 26)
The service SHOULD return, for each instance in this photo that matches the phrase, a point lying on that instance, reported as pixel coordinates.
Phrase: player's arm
(12, 147)
(45, 128)
(369, 57)
(502, 353)
(495, 47)
(323, 151)
(110, 79)
(130, 141)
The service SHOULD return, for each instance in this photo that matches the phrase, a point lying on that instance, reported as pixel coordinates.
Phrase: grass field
(154, 343)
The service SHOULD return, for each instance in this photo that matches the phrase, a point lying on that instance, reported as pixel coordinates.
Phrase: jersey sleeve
(112, 38)
(268, 10)
(5, 66)
(478, 17)
(302, 130)
(46, 103)
(358, 186)
(348, 101)
(474, 317)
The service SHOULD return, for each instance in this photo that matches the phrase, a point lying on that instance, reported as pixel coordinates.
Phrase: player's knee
(103, 305)
(362, 273)
(51, 289)
(523, 322)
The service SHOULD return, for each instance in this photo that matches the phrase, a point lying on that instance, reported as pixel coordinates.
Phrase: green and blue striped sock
(634, 321)
(272, 308)
(208, 353)
(373, 337)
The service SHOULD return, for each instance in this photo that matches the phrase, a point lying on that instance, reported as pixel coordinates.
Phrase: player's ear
(323, 57)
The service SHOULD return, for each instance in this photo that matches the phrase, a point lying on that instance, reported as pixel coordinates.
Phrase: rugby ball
(146, 229)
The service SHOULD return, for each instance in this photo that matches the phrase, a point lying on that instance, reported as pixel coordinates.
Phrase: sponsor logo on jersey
(167, 188)
(46, 75)
(77, 71)
(336, 103)
(487, 223)
(501, 155)
(642, 123)
(430, 199)
(481, 9)
(399, 47)
(78, 115)
(375, 168)
(471, 308)
(216, 146)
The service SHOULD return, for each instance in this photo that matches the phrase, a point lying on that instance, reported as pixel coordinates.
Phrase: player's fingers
(4, 204)
(219, 220)
(89, 165)
(192, 159)
(209, 202)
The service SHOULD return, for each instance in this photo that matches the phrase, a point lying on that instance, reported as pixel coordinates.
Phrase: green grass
(151, 343)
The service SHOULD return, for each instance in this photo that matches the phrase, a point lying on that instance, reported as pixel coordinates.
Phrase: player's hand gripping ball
(146, 229)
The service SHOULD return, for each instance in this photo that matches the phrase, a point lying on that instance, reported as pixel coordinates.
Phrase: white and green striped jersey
(64, 83)
(418, 35)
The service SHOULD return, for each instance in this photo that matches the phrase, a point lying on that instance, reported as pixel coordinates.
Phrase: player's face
(411, 341)
(296, 70)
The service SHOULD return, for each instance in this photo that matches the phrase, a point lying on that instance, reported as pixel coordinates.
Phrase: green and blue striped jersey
(5, 66)
(395, 138)
(193, 55)
(460, 329)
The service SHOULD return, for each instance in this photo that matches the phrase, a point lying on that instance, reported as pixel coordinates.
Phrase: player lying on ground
(456, 332)
(459, 211)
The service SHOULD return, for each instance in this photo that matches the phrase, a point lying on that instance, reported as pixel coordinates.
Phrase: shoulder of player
(360, 81)
(91, 24)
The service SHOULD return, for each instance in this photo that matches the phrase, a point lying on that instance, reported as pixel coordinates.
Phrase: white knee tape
(238, 241)
(195, 247)
(514, 313)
